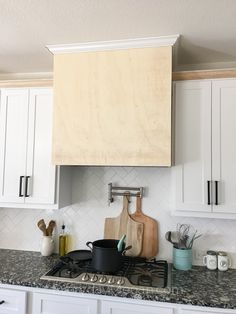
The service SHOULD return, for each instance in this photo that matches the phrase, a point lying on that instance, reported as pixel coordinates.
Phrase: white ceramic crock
(47, 245)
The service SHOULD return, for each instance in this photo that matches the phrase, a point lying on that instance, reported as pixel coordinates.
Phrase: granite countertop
(198, 286)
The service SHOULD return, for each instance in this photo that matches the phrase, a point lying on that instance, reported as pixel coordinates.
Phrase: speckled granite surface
(197, 287)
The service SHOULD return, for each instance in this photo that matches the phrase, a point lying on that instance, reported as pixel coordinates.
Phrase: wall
(85, 217)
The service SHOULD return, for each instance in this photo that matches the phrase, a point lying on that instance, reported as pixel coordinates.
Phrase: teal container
(182, 258)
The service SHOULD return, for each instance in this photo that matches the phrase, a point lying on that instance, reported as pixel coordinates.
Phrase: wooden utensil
(123, 224)
(150, 237)
(42, 226)
(50, 227)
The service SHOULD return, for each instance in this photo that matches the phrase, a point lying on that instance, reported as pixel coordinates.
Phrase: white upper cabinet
(193, 145)
(40, 170)
(13, 143)
(27, 175)
(224, 145)
(205, 166)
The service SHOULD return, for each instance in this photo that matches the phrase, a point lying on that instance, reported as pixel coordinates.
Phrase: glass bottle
(63, 241)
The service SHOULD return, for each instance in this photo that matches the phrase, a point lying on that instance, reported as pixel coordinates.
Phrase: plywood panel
(113, 108)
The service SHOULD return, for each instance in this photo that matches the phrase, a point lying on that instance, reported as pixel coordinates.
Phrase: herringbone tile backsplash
(85, 217)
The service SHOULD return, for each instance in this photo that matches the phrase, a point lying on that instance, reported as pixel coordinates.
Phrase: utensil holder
(47, 245)
(182, 258)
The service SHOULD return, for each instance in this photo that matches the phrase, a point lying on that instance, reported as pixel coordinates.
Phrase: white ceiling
(207, 28)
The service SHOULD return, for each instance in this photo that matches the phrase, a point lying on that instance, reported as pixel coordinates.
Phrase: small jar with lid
(210, 260)
(224, 262)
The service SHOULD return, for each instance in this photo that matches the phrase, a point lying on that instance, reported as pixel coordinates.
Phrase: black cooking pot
(105, 255)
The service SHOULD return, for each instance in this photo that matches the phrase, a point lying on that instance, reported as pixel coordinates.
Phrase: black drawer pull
(1, 302)
(26, 186)
(208, 192)
(20, 188)
(216, 193)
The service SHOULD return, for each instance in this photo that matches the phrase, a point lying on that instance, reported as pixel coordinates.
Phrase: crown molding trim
(114, 44)
(26, 83)
(205, 74)
(26, 76)
(34, 79)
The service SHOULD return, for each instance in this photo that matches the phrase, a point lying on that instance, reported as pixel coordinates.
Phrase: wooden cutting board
(123, 224)
(150, 236)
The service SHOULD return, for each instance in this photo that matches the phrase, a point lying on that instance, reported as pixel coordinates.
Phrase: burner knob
(85, 277)
(103, 279)
(111, 280)
(94, 278)
(120, 281)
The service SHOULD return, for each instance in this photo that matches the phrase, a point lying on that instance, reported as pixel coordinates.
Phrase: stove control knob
(120, 281)
(103, 279)
(94, 278)
(85, 277)
(111, 280)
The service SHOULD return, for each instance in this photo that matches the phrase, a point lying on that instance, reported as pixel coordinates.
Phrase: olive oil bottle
(63, 241)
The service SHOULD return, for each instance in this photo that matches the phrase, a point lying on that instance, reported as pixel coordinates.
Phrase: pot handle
(90, 245)
(126, 249)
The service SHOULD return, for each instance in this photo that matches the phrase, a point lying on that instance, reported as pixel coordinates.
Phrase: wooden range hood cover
(112, 103)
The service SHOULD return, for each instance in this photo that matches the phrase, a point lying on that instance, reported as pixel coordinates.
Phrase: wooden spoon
(42, 226)
(50, 227)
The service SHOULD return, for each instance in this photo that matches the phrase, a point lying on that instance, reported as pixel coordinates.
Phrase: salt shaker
(224, 262)
(210, 260)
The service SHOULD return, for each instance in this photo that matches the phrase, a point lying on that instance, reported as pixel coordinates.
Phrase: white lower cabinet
(202, 310)
(43, 301)
(12, 301)
(60, 304)
(150, 307)
(70, 303)
(131, 308)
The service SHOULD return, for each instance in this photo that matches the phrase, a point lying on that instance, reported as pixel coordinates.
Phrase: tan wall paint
(113, 107)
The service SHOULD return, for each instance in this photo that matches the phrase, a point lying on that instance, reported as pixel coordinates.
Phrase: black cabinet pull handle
(208, 192)
(216, 193)
(1, 302)
(20, 188)
(26, 186)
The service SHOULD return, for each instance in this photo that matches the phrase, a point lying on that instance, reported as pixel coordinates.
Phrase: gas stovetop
(135, 272)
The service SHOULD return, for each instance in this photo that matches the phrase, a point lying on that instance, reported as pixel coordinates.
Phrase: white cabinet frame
(205, 168)
(28, 179)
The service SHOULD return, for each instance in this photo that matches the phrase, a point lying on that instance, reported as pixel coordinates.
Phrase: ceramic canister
(224, 262)
(47, 245)
(210, 260)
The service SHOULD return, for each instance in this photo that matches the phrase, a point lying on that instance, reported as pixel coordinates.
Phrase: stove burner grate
(138, 271)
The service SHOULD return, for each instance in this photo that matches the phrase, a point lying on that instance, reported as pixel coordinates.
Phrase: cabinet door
(55, 304)
(12, 302)
(40, 170)
(223, 145)
(206, 310)
(13, 143)
(128, 308)
(193, 145)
